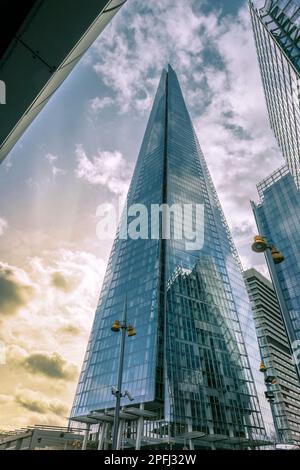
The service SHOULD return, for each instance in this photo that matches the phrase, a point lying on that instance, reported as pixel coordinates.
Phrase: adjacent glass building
(278, 220)
(280, 375)
(276, 29)
(193, 367)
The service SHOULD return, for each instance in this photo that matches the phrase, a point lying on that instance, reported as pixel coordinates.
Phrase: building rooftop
(270, 180)
(252, 272)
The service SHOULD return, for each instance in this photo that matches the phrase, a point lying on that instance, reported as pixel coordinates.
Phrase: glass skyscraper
(276, 29)
(278, 220)
(193, 367)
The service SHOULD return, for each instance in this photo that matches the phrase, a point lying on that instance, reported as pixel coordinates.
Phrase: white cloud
(55, 169)
(234, 130)
(108, 169)
(131, 53)
(50, 157)
(97, 104)
(3, 225)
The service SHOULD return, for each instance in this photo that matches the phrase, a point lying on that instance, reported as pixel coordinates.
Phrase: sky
(80, 152)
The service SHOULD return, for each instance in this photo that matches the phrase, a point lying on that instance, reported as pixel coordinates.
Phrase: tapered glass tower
(193, 366)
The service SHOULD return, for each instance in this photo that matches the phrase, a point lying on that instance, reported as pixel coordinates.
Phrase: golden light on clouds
(46, 310)
(14, 289)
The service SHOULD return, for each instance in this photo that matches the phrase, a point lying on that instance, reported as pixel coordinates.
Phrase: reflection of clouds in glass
(260, 3)
(215, 322)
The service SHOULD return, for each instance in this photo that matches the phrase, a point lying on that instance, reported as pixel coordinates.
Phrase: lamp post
(260, 245)
(118, 326)
(270, 380)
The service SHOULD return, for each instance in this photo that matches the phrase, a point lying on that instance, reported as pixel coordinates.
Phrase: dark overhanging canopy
(41, 43)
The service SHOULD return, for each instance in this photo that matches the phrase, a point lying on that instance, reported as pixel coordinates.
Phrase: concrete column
(190, 429)
(211, 432)
(102, 435)
(139, 431)
(120, 432)
(86, 436)
(32, 440)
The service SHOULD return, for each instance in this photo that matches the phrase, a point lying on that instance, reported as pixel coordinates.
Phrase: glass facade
(195, 358)
(278, 219)
(277, 357)
(276, 29)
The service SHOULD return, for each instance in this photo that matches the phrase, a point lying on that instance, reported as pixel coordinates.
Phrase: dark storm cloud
(32, 405)
(33, 401)
(13, 293)
(60, 282)
(53, 366)
(70, 329)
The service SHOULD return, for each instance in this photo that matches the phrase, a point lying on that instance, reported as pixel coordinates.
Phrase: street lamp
(260, 245)
(116, 327)
(270, 380)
